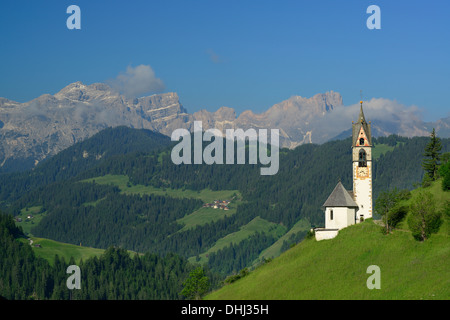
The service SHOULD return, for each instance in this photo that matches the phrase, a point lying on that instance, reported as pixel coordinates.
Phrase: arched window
(331, 214)
(362, 158)
(361, 141)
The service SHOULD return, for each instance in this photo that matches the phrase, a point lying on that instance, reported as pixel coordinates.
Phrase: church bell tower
(362, 166)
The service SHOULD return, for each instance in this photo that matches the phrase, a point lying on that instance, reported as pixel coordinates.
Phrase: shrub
(424, 218)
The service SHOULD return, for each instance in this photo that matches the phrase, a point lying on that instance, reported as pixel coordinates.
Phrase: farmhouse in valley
(218, 204)
(344, 208)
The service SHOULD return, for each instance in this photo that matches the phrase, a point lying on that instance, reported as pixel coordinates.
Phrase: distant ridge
(83, 156)
(32, 131)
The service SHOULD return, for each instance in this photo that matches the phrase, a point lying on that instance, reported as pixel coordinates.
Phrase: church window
(331, 214)
(362, 158)
(361, 141)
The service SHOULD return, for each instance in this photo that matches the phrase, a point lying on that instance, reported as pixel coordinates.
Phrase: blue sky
(244, 54)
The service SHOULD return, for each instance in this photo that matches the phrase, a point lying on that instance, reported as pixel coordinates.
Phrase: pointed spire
(361, 123)
(361, 118)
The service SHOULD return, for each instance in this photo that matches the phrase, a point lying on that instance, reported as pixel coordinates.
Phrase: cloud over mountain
(387, 117)
(137, 81)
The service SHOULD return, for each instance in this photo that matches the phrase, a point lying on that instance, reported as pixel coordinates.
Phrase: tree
(196, 285)
(424, 219)
(444, 171)
(432, 157)
(386, 206)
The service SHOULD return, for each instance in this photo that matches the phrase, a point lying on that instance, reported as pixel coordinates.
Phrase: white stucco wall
(323, 234)
(342, 217)
(362, 188)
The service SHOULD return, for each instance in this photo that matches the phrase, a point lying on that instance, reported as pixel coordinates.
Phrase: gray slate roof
(340, 198)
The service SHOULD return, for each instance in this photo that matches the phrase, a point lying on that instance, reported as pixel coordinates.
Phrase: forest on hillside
(101, 216)
(115, 275)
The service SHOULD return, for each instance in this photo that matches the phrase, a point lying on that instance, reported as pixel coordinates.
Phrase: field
(256, 225)
(28, 223)
(198, 217)
(49, 248)
(382, 148)
(124, 185)
(275, 249)
(203, 216)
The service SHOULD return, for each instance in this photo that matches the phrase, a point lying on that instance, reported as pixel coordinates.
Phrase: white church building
(344, 208)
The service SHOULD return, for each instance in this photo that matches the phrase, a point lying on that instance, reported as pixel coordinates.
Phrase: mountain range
(32, 131)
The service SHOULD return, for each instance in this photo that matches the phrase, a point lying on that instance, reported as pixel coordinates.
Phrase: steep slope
(337, 268)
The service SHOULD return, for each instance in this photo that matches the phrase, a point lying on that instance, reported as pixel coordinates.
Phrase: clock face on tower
(362, 172)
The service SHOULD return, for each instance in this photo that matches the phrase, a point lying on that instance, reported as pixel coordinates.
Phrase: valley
(141, 202)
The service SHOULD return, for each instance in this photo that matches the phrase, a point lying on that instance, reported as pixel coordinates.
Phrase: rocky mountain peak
(318, 104)
(44, 126)
(327, 101)
(78, 91)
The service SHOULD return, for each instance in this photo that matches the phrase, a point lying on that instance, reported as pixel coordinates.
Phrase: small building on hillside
(340, 212)
(344, 208)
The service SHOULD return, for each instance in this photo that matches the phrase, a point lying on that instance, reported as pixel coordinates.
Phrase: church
(344, 208)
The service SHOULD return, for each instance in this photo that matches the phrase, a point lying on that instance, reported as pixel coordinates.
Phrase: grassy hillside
(123, 182)
(336, 269)
(276, 249)
(49, 248)
(256, 225)
(199, 217)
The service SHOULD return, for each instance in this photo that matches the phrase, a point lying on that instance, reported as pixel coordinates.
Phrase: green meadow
(337, 268)
(381, 148)
(49, 248)
(198, 217)
(256, 225)
(275, 249)
(28, 223)
(123, 183)
(203, 216)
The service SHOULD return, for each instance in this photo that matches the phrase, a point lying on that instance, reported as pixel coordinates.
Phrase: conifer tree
(444, 171)
(432, 157)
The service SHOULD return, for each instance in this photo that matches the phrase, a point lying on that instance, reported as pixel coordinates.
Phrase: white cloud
(387, 116)
(137, 81)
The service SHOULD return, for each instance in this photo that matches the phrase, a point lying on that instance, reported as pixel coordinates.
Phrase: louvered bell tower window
(362, 158)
